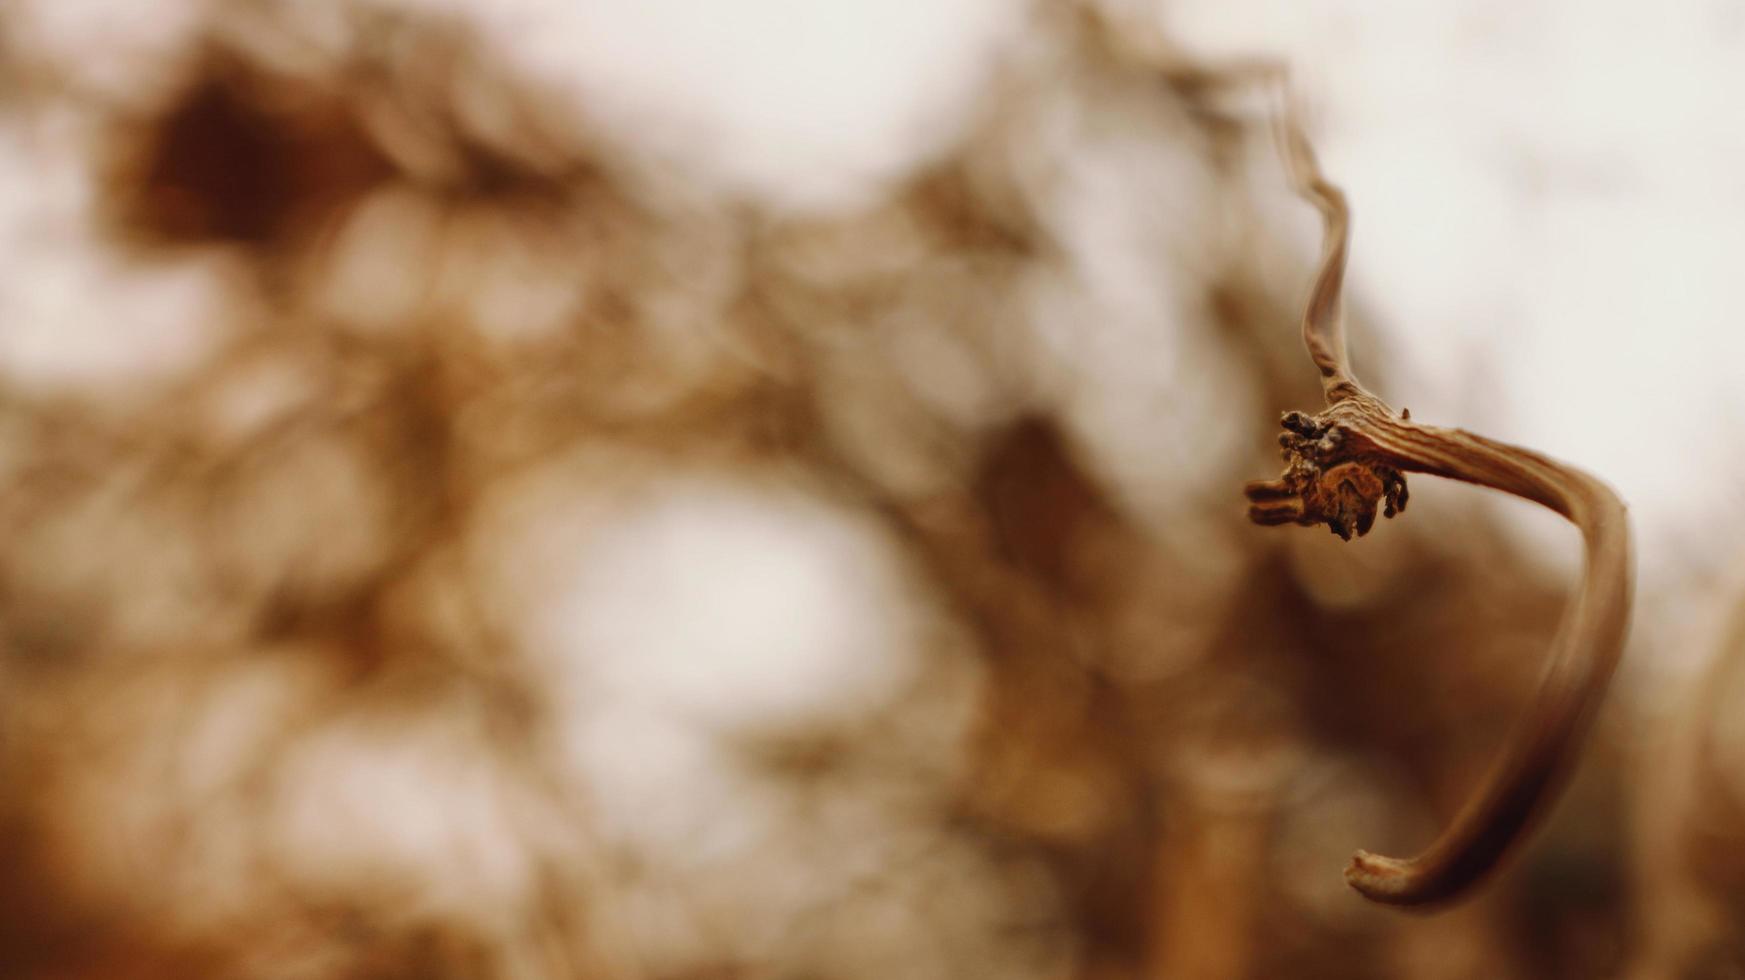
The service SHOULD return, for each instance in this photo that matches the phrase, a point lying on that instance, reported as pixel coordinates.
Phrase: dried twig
(1351, 458)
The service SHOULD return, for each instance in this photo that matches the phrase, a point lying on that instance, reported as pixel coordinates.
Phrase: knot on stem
(1327, 480)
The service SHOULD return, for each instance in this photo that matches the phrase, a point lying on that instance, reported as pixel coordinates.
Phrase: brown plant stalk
(1350, 459)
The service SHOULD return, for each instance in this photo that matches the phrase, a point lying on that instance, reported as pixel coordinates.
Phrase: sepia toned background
(651, 489)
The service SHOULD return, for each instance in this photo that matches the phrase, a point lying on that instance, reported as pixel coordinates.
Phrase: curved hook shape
(1584, 654)
(1348, 460)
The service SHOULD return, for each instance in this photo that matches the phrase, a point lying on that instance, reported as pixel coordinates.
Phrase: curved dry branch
(1349, 460)
(1324, 314)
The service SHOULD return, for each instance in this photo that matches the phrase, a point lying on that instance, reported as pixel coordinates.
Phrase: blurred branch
(1347, 460)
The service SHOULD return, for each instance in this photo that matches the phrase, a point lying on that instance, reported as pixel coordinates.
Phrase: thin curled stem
(1352, 457)
(1324, 314)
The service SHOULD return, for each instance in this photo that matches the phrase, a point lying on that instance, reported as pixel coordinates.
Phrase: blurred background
(545, 488)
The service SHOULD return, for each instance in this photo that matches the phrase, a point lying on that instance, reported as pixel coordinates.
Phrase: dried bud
(1325, 482)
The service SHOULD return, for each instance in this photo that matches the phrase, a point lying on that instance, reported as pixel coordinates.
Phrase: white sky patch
(666, 790)
(735, 606)
(1143, 393)
(680, 618)
(76, 317)
(76, 322)
(410, 805)
(797, 102)
(676, 615)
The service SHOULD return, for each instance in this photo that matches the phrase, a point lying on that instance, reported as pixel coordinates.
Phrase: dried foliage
(460, 541)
